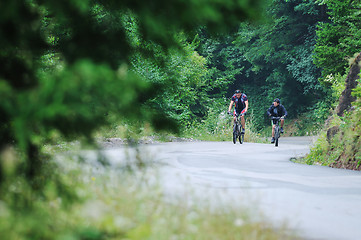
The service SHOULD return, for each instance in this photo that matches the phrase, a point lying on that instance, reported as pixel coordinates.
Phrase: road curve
(317, 202)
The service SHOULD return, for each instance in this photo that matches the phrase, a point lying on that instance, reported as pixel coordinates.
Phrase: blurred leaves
(65, 66)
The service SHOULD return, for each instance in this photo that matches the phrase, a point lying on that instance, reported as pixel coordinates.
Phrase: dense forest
(296, 53)
(72, 67)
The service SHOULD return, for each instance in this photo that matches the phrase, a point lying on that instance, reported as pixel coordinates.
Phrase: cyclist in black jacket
(277, 110)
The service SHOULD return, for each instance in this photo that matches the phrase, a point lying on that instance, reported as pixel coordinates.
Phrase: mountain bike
(237, 133)
(277, 129)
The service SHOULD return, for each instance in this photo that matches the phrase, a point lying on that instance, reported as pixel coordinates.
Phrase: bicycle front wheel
(235, 134)
(241, 138)
(234, 137)
(277, 135)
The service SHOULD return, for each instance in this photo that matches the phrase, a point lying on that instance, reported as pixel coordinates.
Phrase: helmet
(237, 91)
(277, 100)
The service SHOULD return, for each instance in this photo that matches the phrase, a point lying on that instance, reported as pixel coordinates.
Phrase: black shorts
(274, 121)
(239, 111)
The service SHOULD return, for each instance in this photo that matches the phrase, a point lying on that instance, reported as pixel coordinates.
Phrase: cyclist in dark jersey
(240, 102)
(277, 110)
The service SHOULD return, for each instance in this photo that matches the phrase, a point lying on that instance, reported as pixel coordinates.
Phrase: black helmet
(277, 100)
(237, 91)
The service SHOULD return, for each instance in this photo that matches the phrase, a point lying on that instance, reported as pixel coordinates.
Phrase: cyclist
(277, 110)
(240, 102)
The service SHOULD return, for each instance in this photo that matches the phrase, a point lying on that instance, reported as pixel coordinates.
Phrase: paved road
(317, 202)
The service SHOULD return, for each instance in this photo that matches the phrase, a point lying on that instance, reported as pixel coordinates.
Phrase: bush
(318, 151)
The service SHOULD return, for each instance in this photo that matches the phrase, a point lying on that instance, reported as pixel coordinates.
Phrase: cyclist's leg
(243, 121)
(236, 114)
(282, 122)
(273, 128)
(273, 131)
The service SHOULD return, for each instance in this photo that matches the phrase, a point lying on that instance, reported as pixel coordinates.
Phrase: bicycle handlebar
(242, 114)
(277, 118)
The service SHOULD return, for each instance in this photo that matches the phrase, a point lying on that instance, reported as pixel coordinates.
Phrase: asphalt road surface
(316, 202)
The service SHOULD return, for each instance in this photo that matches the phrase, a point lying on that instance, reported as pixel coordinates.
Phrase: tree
(181, 77)
(64, 64)
(336, 41)
(280, 58)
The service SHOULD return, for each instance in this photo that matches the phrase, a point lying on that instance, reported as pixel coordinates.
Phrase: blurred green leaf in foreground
(64, 68)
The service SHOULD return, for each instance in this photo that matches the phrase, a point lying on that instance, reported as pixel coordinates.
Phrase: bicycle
(237, 133)
(277, 129)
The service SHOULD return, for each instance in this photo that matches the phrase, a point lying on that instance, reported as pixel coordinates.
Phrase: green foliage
(218, 126)
(223, 62)
(318, 152)
(337, 83)
(357, 93)
(343, 149)
(311, 122)
(64, 66)
(273, 59)
(180, 77)
(325, 151)
(336, 39)
(320, 112)
(302, 69)
(336, 42)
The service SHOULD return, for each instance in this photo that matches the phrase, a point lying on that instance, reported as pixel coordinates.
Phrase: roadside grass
(222, 134)
(341, 149)
(217, 127)
(301, 126)
(118, 204)
(319, 153)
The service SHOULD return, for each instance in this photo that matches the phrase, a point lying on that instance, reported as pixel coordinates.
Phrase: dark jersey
(239, 103)
(278, 111)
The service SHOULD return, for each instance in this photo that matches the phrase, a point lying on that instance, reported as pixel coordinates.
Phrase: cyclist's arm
(269, 111)
(230, 106)
(285, 112)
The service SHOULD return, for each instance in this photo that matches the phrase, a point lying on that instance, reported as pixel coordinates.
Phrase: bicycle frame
(277, 129)
(237, 130)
